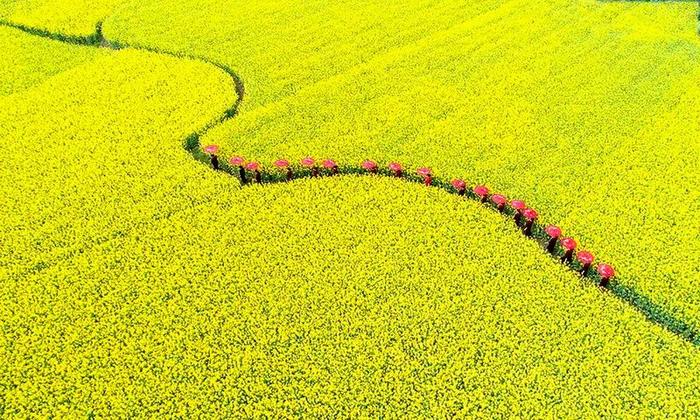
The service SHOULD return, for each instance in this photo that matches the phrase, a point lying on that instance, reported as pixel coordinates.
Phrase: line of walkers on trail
(524, 217)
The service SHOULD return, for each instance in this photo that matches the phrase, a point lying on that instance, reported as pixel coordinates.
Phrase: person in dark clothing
(241, 174)
(214, 162)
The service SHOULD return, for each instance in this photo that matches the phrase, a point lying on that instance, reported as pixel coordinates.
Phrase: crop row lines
(549, 237)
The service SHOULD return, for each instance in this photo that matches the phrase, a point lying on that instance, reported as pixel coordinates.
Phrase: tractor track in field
(654, 312)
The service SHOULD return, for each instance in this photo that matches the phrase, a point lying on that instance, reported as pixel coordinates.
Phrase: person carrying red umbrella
(284, 165)
(427, 175)
(331, 166)
(212, 150)
(240, 162)
(254, 167)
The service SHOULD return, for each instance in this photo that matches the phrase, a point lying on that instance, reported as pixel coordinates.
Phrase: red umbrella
(554, 233)
(396, 168)
(236, 161)
(569, 246)
(606, 273)
(427, 175)
(586, 259)
(568, 243)
(370, 166)
(500, 201)
(284, 164)
(606, 270)
(309, 162)
(239, 161)
(531, 216)
(331, 165)
(459, 185)
(518, 206)
(482, 192)
(212, 149)
(255, 167)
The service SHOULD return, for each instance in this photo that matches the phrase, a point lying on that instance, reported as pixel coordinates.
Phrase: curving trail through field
(643, 304)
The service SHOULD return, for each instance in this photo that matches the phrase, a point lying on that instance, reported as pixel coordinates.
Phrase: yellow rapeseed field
(68, 17)
(137, 282)
(32, 60)
(587, 110)
(88, 145)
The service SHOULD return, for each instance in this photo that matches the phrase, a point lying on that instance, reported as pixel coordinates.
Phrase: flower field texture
(99, 167)
(585, 110)
(69, 17)
(137, 282)
(33, 60)
(324, 304)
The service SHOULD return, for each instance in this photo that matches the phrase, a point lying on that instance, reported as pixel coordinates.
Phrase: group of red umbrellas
(520, 209)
